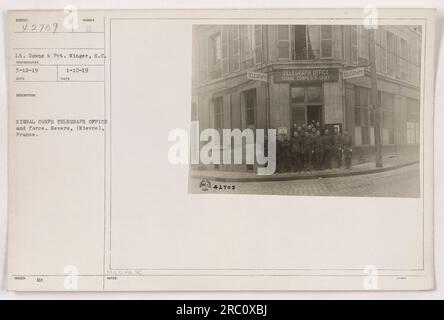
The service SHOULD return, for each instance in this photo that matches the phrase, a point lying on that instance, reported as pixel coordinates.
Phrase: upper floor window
(363, 45)
(215, 48)
(218, 62)
(312, 42)
(257, 44)
(404, 56)
(235, 47)
(327, 41)
(283, 41)
(381, 46)
(247, 46)
(391, 53)
(354, 44)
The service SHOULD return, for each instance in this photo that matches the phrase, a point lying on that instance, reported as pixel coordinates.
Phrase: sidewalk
(390, 162)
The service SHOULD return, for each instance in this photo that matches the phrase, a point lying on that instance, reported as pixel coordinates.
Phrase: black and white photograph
(314, 110)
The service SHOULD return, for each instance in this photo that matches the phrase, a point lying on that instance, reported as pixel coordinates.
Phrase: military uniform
(319, 150)
(337, 149)
(284, 155)
(307, 150)
(347, 147)
(328, 144)
(296, 153)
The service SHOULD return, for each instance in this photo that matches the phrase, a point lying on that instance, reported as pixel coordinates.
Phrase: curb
(287, 177)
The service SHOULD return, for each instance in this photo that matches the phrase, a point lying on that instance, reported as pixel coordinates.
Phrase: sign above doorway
(306, 75)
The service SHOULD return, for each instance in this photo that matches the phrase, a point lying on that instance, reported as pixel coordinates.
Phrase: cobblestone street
(402, 182)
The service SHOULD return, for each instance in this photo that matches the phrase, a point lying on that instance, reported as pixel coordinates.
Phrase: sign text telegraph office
(304, 75)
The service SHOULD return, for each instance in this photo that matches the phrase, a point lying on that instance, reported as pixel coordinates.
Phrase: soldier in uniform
(337, 147)
(309, 128)
(296, 152)
(300, 131)
(313, 132)
(284, 154)
(347, 147)
(327, 138)
(307, 150)
(293, 129)
(318, 147)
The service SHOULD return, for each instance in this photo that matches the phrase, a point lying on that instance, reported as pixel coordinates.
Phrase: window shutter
(354, 44)
(225, 60)
(326, 41)
(203, 61)
(258, 44)
(235, 51)
(377, 34)
(283, 39)
(383, 52)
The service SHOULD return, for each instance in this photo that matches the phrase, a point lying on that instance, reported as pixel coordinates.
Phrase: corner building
(304, 67)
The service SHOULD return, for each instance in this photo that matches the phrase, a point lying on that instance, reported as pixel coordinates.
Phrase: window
(307, 42)
(235, 48)
(224, 51)
(218, 113)
(298, 115)
(404, 60)
(364, 97)
(391, 53)
(247, 50)
(387, 105)
(412, 133)
(283, 41)
(297, 94)
(372, 117)
(306, 94)
(203, 61)
(391, 133)
(383, 50)
(363, 45)
(413, 106)
(313, 43)
(357, 116)
(258, 44)
(250, 107)
(364, 117)
(215, 56)
(377, 34)
(300, 43)
(413, 117)
(313, 94)
(354, 44)
(326, 41)
(215, 48)
(397, 57)
(418, 65)
(365, 135)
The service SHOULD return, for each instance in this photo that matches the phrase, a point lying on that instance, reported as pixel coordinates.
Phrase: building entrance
(314, 114)
(306, 105)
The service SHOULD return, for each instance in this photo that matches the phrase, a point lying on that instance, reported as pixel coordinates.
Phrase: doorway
(314, 114)
(306, 104)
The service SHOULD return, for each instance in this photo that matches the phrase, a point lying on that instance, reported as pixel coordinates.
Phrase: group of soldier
(313, 147)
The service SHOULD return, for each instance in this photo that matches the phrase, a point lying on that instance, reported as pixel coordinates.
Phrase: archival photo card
(221, 150)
